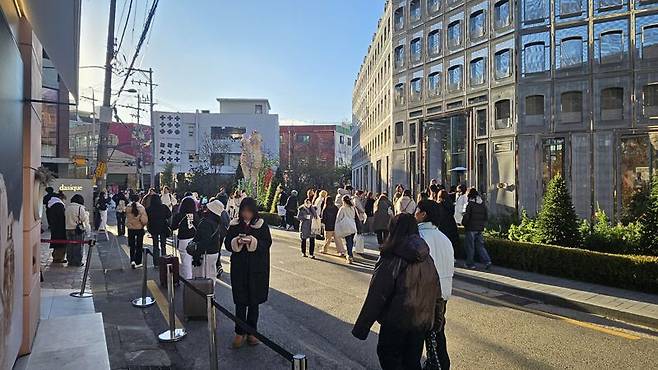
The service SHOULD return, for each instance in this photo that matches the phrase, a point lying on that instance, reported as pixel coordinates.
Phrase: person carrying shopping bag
(346, 226)
(209, 238)
(305, 214)
(329, 214)
(186, 222)
(77, 225)
(136, 220)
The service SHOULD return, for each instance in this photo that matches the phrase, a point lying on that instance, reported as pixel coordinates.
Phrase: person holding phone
(305, 214)
(248, 239)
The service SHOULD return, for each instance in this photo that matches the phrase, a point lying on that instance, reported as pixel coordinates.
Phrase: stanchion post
(82, 293)
(172, 334)
(212, 331)
(144, 301)
(299, 362)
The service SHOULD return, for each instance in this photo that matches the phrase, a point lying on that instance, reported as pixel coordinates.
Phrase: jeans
(103, 223)
(74, 251)
(475, 243)
(121, 223)
(381, 236)
(250, 318)
(399, 350)
(159, 244)
(136, 243)
(311, 246)
(349, 240)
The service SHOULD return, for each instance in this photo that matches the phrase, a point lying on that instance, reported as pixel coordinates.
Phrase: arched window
(534, 57)
(434, 84)
(503, 113)
(503, 63)
(455, 34)
(571, 52)
(414, 10)
(477, 72)
(612, 103)
(650, 41)
(611, 47)
(455, 78)
(434, 43)
(571, 106)
(534, 105)
(477, 24)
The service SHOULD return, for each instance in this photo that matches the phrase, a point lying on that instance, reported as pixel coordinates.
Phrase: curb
(561, 301)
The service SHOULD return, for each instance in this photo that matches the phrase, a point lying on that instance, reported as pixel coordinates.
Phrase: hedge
(271, 218)
(622, 271)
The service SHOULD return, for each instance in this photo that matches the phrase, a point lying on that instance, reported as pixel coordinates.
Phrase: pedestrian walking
(405, 204)
(460, 203)
(401, 297)
(447, 224)
(305, 214)
(382, 217)
(329, 213)
(55, 214)
(136, 220)
(209, 239)
(474, 221)
(146, 200)
(77, 225)
(399, 192)
(369, 208)
(291, 210)
(168, 199)
(158, 226)
(101, 205)
(186, 221)
(249, 240)
(318, 203)
(428, 216)
(120, 211)
(346, 225)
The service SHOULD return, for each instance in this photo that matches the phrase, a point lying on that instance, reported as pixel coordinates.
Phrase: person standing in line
(168, 199)
(318, 203)
(428, 218)
(346, 226)
(382, 217)
(209, 237)
(460, 203)
(249, 241)
(120, 210)
(291, 210)
(305, 214)
(405, 204)
(136, 220)
(474, 221)
(101, 204)
(369, 207)
(340, 193)
(329, 213)
(222, 196)
(447, 224)
(55, 214)
(186, 221)
(77, 224)
(399, 192)
(234, 204)
(401, 297)
(281, 206)
(159, 216)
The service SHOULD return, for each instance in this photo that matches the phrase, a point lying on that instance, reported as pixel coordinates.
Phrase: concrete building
(503, 95)
(330, 144)
(201, 138)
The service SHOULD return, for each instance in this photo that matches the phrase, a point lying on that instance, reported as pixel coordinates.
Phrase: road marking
(582, 324)
(162, 302)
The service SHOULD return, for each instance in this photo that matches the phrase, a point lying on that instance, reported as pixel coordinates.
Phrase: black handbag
(79, 227)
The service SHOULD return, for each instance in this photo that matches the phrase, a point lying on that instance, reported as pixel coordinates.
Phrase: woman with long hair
(446, 218)
(186, 222)
(382, 217)
(101, 204)
(305, 215)
(136, 220)
(346, 225)
(77, 224)
(248, 239)
(329, 214)
(401, 297)
(158, 226)
(120, 210)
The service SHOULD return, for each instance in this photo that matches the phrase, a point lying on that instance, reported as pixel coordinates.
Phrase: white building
(201, 138)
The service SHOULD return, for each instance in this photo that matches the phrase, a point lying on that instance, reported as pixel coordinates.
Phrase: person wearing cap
(209, 238)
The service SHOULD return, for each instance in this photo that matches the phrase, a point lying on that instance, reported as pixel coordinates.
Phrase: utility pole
(151, 104)
(106, 109)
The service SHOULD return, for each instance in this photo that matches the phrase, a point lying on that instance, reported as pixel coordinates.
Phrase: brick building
(329, 144)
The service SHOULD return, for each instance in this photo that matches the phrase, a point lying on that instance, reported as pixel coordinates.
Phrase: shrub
(602, 236)
(557, 222)
(649, 221)
(623, 271)
(271, 218)
(526, 231)
(638, 205)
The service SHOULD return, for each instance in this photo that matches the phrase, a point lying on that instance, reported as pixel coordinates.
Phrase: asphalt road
(313, 304)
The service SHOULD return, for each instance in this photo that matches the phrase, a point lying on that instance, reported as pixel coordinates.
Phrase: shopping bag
(281, 211)
(359, 243)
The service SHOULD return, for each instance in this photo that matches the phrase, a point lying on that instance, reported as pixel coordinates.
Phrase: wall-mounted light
(18, 8)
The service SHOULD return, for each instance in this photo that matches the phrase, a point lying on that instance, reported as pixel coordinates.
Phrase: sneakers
(304, 255)
(312, 257)
(487, 267)
(350, 260)
(252, 341)
(238, 341)
(138, 266)
(133, 265)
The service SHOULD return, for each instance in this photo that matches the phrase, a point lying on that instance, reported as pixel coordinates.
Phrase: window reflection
(434, 83)
(416, 89)
(477, 69)
(455, 78)
(553, 163)
(650, 42)
(503, 63)
(416, 47)
(639, 159)
(612, 47)
(477, 24)
(534, 10)
(434, 43)
(571, 52)
(454, 34)
(534, 57)
(502, 13)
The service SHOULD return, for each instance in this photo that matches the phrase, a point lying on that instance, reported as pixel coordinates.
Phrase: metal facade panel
(580, 174)
(528, 174)
(604, 171)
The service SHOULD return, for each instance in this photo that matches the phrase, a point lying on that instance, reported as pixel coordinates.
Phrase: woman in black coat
(447, 224)
(57, 225)
(248, 239)
(158, 225)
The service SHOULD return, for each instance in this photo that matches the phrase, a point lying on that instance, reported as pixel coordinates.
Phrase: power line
(125, 26)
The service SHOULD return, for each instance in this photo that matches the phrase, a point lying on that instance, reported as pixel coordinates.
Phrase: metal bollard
(299, 362)
(172, 334)
(82, 293)
(144, 301)
(212, 331)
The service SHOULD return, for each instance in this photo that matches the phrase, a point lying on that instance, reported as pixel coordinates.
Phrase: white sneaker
(138, 266)
(132, 264)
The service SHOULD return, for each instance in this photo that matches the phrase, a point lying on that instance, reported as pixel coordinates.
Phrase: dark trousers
(349, 240)
(121, 223)
(136, 243)
(435, 342)
(74, 251)
(381, 236)
(159, 243)
(399, 350)
(290, 219)
(311, 245)
(248, 314)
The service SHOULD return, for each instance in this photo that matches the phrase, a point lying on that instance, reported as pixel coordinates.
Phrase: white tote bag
(359, 243)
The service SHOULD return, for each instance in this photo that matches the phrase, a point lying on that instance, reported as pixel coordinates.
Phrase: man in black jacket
(474, 221)
(291, 210)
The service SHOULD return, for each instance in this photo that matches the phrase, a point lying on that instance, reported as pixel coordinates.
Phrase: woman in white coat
(346, 225)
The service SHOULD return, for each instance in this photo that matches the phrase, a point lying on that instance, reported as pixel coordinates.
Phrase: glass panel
(477, 25)
(416, 49)
(481, 163)
(553, 163)
(454, 34)
(534, 10)
(398, 19)
(503, 114)
(481, 121)
(414, 10)
(572, 102)
(639, 159)
(612, 47)
(399, 94)
(477, 70)
(416, 89)
(650, 93)
(412, 133)
(434, 84)
(534, 57)
(49, 123)
(455, 78)
(571, 51)
(609, 3)
(434, 43)
(399, 56)
(502, 13)
(457, 148)
(570, 7)
(399, 132)
(612, 103)
(503, 63)
(534, 105)
(433, 6)
(650, 42)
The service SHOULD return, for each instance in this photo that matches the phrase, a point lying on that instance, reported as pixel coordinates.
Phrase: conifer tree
(649, 221)
(557, 222)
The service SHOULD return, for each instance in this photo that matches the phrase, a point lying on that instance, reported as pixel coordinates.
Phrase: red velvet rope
(62, 241)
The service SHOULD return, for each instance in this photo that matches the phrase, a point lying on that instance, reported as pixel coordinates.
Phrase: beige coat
(136, 222)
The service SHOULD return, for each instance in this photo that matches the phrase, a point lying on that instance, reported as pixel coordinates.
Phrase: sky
(303, 55)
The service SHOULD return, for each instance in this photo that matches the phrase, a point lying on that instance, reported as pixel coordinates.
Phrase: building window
(503, 63)
(434, 84)
(534, 105)
(455, 78)
(478, 70)
(227, 133)
(412, 133)
(398, 18)
(650, 42)
(416, 89)
(534, 57)
(399, 94)
(434, 43)
(607, 4)
(481, 165)
(349, 141)
(217, 159)
(454, 34)
(570, 7)
(611, 47)
(259, 109)
(571, 107)
(534, 10)
(303, 138)
(650, 96)
(502, 15)
(477, 24)
(399, 56)
(503, 112)
(638, 162)
(553, 161)
(399, 132)
(433, 6)
(416, 48)
(481, 122)
(571, 52)
(414, 10)
(612, 103)
(341, 139)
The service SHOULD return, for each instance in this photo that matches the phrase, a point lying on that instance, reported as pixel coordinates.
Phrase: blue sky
(301, 54)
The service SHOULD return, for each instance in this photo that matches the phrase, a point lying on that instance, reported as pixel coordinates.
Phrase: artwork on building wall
(168, 139)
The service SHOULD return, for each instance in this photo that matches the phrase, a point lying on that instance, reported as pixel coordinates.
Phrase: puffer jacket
(475, 217)
(136, 222)
(405, 205)
(403, 290)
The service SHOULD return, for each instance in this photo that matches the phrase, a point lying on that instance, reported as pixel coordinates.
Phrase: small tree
(167, 176)
(649, 221)
(557, 222)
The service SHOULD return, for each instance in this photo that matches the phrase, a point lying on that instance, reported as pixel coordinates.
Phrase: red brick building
(330, 144)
